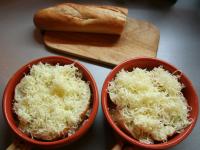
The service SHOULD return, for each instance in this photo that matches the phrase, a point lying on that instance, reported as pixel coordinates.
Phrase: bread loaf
(82, 18)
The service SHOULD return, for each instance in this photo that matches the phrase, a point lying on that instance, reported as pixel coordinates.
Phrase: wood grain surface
(139, 38)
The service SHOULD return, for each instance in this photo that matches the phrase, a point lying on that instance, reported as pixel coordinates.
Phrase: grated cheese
(50, 100)
(150, 102)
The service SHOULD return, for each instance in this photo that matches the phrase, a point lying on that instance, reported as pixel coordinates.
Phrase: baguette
(82, 18)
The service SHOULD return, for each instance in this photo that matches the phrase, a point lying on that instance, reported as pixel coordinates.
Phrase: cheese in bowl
(52, 101)
(149, 105)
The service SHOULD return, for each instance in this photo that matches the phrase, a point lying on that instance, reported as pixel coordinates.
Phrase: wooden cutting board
(139, 38)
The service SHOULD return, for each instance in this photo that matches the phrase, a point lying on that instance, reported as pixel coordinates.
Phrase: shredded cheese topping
(51, 100)
(150, 102)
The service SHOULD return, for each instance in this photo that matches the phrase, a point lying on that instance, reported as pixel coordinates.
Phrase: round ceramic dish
(9, 94)
(150, 63)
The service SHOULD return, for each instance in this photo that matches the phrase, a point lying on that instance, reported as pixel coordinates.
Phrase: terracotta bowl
(150, 63)
(9, 94)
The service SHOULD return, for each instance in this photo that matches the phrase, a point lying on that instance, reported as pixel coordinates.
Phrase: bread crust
(82, 18)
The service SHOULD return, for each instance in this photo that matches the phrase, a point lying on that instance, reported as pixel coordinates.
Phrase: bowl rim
(122, 134)
(84, 127)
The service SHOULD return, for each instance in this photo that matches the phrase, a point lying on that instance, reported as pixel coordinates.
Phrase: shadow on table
(132, 3)
(109, 135)
(7, 139)
(113, 139)
(154, 4)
